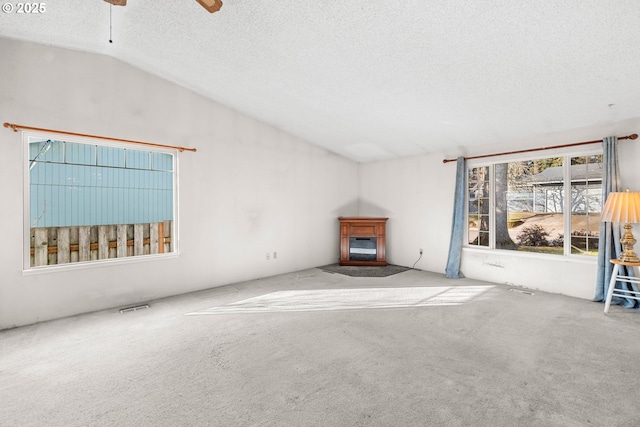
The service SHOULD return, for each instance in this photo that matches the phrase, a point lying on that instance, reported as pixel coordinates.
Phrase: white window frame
(567, 154)
(26, 247)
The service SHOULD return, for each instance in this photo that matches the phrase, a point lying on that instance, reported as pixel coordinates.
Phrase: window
(522, 205)
(479, 206)
(88, 201)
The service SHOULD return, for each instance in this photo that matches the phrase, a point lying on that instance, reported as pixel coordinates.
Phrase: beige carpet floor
(317, 349)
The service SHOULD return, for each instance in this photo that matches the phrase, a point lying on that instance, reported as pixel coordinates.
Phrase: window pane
(529, 214)
(82, 154)
(586, 203)
(136, 159)
(89, 202)
(46, 151)
(110, 156)
(478, 214)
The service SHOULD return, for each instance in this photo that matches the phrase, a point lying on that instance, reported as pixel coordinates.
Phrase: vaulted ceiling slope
(373, 80)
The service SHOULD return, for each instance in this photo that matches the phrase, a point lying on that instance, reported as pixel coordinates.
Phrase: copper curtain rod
(632, 136)
(151, 144)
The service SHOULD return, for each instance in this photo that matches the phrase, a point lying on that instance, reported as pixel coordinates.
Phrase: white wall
(248, 190)
(416, 193)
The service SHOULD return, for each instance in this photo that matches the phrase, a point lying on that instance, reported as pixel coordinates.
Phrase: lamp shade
(623, 207)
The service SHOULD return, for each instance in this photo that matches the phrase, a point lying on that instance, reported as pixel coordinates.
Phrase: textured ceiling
(374, 80)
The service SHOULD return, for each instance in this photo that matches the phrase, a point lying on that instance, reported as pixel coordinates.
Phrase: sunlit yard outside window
(533, 205)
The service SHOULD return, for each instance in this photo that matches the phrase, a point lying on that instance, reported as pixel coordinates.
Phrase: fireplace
(362, 241)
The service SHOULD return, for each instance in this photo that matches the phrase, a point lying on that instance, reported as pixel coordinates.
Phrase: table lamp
(623, 207)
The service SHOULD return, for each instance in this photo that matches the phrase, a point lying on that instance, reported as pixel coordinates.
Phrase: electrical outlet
(420, 251)
(275, 255)
(268, 255)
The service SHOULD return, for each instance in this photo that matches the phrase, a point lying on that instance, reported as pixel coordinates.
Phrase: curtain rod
(632, 136)
(15, 128)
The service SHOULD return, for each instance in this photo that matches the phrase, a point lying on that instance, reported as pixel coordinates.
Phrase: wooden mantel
(368, 231)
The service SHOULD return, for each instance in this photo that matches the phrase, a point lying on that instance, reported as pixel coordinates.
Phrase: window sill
(580, 259)
(96, 264)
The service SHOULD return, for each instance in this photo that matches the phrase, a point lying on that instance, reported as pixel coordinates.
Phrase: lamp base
(631, 257)
(628, 255)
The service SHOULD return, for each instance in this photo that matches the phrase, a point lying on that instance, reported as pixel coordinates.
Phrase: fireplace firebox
(362, 249)
(362, 241)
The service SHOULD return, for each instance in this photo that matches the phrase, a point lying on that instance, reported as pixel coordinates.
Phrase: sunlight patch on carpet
(351, 299)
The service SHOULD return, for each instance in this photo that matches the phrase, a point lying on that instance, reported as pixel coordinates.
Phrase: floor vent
(522, 291)
(136, 308)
